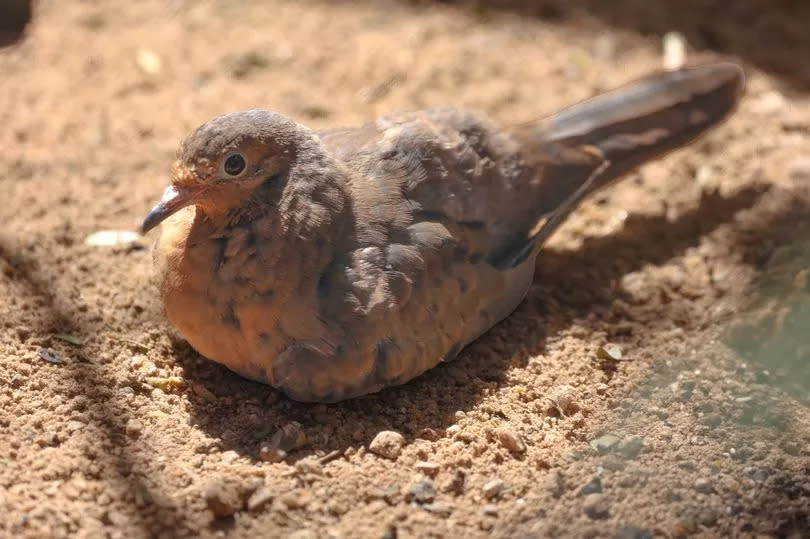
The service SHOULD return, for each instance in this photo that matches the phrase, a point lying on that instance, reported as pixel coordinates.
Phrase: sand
(111, 426)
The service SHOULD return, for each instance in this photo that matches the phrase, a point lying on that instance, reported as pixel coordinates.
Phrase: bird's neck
(315, 203)
(311, 204)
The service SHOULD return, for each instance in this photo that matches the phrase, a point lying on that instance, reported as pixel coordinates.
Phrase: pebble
(308, 466)
(564, 396)
(259, 499)
(427, 468)
(511, 440)
(630, 448)
(493, 489)
(229, 457)
(594, 486)
(222, 499)
(610, 352)
(134, 428)
(703, 485)
(288, 437)
(388, 444)
(604, 444)
(596, 507)
(491, 510)
(423, 492)
(438, 509)
(271, 454)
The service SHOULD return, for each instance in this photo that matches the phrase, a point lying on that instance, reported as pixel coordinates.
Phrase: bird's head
(224, 161)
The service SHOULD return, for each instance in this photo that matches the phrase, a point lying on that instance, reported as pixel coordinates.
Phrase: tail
(650, 117)
(591, 144)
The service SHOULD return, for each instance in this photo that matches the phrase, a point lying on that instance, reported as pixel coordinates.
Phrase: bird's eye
(234, 164)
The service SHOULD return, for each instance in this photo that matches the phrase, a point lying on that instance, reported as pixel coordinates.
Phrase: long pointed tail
(591, 144)
(650, 117)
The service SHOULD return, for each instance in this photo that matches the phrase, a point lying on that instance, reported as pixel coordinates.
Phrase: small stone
(134, 428)
(594, 486)
(148, 61)
(388, 444)
(493, 489)
(427, 468)
(630, 448)
(604, 444)
(596, 507)
(511, 440)
(423, 492)
(491, 510)
(633, 532)
(261, 497)
(309, 466)
(703, 485)
(564, 397)
(610, 352)
(271, 454)
(49, 356)
(438, 509)
(229, 457)
(289, 437)
(222, 499)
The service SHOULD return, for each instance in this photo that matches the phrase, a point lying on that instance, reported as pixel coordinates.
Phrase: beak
(174, 199)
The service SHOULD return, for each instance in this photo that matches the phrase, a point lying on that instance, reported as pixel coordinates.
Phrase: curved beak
(174, 199)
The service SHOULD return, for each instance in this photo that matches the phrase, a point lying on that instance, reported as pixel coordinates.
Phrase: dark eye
(234, 164)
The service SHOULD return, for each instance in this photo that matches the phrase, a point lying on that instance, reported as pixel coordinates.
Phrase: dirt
(111, 426)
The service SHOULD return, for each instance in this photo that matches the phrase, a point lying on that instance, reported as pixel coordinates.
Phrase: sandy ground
(702, 429)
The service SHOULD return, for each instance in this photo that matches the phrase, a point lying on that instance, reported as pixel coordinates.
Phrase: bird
(332, 264)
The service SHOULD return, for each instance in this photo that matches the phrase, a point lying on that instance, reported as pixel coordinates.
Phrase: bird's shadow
(240, 415)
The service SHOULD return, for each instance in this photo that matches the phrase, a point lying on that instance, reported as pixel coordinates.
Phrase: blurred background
(696, 268)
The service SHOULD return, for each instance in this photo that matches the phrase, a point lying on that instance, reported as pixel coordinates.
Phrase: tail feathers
(650, 117)
(591, 144)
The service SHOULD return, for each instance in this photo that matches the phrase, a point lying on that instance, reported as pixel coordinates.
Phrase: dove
(332, 264)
